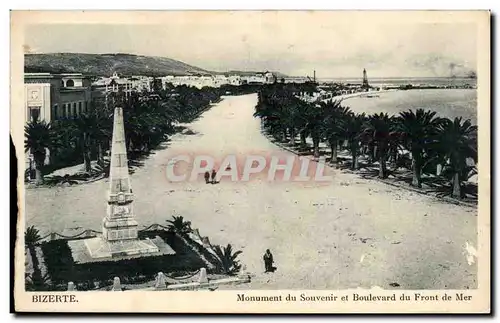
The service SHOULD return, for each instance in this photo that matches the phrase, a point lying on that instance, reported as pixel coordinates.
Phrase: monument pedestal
(119, 229)
(100, 248)
(119, 238)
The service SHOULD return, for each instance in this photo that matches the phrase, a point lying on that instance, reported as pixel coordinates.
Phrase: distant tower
(314, 77)
(365, 80)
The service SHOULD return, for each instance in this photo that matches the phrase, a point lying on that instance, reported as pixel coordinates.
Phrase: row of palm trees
(433, 142)
(149, 119)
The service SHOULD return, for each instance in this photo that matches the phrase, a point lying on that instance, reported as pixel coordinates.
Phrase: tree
(291, 116)
(227, 259)
(31, 240)
(38, 139)
(85, 128)
(417, 131)
(378, 129)
(334, 114)
(179, 225)
(457, 141)
(103, 127)
(313, 114)
(351, 129)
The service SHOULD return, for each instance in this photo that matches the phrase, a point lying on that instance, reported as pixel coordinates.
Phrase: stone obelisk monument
(119, 228)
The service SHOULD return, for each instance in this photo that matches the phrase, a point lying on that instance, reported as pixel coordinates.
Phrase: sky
(295, 45)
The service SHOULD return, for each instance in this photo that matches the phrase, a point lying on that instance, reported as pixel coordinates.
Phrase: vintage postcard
(252, 161)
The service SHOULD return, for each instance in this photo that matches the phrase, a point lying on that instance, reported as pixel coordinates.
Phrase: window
(73, 112)
(63, 112)
(79, 108)
(85, 107)
(34, 113)
(70, 83)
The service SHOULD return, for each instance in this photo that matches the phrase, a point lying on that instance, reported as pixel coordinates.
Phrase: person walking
(268, 261)
(214, 173)
(207, 177)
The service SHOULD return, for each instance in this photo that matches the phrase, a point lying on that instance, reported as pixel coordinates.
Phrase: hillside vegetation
(106, 64)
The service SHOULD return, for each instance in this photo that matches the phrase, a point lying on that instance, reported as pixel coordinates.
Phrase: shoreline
(447, 103)
(343, 97)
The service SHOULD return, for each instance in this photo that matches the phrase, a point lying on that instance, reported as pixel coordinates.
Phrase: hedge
(62, 268)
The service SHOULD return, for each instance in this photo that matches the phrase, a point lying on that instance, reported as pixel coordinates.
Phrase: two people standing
(210, 178)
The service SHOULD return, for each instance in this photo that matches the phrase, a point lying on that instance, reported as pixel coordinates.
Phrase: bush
(59, 261)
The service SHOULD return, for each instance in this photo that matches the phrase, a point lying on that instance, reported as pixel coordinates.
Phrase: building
(201, 81)
(105, 85)
(234, 80)
(51, 97)
(259, 78)
(142, 83)
(270, 78)
(218, 80)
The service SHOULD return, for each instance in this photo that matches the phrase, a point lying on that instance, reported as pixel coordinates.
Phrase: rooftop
(50, 75)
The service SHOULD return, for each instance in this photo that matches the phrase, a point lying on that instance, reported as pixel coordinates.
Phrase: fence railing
(90, 233)
(160, 283)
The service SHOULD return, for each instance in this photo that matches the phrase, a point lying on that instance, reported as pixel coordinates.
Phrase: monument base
(101, 248)
(98, 249)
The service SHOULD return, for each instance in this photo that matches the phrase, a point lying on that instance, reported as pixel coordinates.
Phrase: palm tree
(457, 141)
(227, 259)
(314, 118)
(333, 119)
(272, 110)
(85, 127)
(31, 240)
(417, 131)
(378, 129)
(351, 129)
(292, 117)
(103, 127)
(179, 225)
(38, 138)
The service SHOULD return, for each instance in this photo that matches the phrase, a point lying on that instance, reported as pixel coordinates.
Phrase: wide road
(346, 233)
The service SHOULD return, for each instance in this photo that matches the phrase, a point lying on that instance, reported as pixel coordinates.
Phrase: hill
(123, 64)
(106, 64)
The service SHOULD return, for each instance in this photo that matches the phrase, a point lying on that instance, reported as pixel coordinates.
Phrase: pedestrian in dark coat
(214, 173)
(268, 261)
(207, 177)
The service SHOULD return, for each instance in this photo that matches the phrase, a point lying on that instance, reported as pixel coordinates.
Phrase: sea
(449, 103)
(432, 81)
